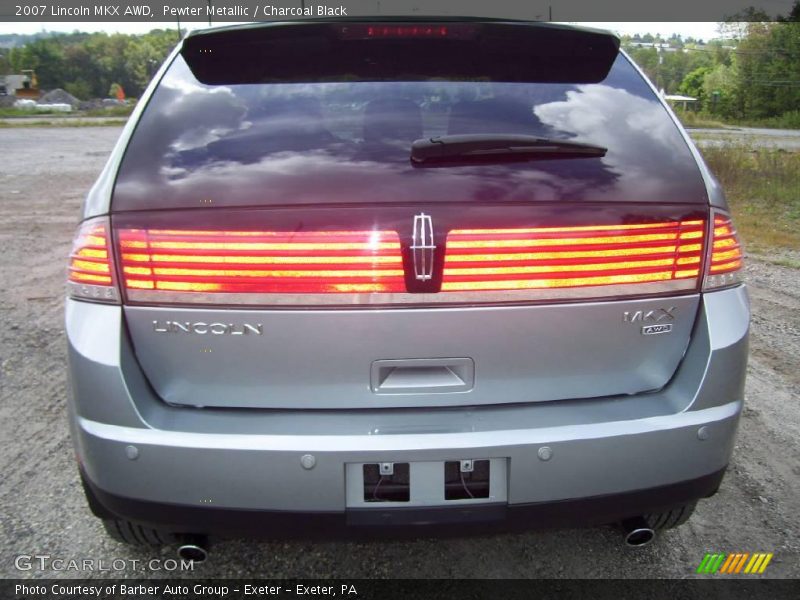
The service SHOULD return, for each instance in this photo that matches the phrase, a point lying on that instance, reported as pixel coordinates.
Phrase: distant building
(661, 47)
(676, 99)
(13, 82)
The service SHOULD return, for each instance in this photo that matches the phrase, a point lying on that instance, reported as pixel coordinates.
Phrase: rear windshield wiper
(455, 150)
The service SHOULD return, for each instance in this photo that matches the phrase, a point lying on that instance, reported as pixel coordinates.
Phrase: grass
(62, 123)
(11, 112)
(789, 120)
(763, 190)
(110, 111)
(695, 119)
(782, 262)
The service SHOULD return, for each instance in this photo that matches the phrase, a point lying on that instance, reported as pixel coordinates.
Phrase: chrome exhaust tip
(637, 532)
(195, 550)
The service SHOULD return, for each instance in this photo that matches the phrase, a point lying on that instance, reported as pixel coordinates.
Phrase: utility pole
(658, 66)
(209, 12)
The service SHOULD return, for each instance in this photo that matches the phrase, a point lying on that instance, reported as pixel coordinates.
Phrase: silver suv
(406, 275)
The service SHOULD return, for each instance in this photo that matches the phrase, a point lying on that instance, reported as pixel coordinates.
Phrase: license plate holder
(386, 484)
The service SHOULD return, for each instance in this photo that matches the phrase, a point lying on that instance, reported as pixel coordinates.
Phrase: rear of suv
(402, 274)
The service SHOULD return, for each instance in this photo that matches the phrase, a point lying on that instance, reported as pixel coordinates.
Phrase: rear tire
(130, 533)
(671, 518)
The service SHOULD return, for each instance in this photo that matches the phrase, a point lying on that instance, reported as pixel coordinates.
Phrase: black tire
(136, 535)
(671, 518)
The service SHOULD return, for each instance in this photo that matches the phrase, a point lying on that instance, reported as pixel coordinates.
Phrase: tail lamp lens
(569, 257)
(406, 31)
(725, 255)
(91, 273)
(382, 31)
(260, 262)
(218, 266)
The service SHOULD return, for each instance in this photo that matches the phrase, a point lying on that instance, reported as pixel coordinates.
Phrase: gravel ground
(45, 173)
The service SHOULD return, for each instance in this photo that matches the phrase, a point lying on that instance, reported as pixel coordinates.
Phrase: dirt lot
(44, 175)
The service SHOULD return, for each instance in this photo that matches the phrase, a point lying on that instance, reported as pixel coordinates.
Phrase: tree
(694, 84)
(5, 65)
(45, 56)
(87, 64)
(720, 87)
(794, 14)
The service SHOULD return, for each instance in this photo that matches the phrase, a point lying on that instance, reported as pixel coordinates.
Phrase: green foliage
(761, 186)
(79, 88)
(45, 56)
(769, 69)
(114, 90)
(122, 110)
(5, 66)
(753, 75)
(695, 119)
(10, 124)
(87, 64)
(693, 84)
(723, 94)
(667, 68)
(788, 120)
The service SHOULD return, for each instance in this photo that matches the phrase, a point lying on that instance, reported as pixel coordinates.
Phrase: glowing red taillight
(366, 267)
(571, 257)
(259, 262)
(401, 31)
(382, 31)
(725, 255)
(91, 272)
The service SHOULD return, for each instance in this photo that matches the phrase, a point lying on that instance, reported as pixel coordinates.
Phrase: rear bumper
(609, 458)
(265, 472)
(404, 522)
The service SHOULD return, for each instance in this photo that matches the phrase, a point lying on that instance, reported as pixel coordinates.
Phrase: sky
(697, 30)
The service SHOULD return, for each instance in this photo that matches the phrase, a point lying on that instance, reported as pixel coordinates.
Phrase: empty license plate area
(465, 479)
(429, 483)
(386, 482)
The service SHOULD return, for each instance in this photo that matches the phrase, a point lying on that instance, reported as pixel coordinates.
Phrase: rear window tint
(288, 143)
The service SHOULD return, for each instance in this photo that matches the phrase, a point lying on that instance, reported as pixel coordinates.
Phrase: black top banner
(222, 11)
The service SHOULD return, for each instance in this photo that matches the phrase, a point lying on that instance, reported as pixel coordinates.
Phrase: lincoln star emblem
(422, 247)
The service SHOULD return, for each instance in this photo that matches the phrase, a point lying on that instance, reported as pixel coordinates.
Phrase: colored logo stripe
(734, 563)
(758, 563)
(710, 563)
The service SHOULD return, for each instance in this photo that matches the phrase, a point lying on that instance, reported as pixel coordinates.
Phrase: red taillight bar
(725, 255)
(563, 257)
(261, 262)
(91, 273)
(382, 31)
(726, 252)
(366, 267)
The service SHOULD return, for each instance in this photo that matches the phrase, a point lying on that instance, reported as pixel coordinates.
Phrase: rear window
(348, 140)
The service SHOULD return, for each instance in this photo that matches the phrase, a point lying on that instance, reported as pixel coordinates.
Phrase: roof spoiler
(400, 50)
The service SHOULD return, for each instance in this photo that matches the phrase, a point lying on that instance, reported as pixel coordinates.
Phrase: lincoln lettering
(69, 11)
(203, 328)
